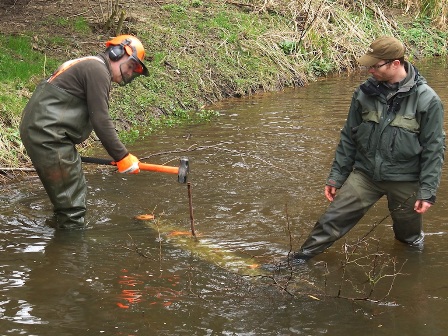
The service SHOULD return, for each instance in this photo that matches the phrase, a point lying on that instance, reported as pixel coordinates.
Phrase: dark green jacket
(393, 136)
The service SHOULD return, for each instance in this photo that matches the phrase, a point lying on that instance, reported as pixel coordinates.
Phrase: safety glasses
(376, 67)
(130, 69)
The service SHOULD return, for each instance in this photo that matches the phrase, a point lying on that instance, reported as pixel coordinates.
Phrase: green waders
(351, 203)
(52, 123)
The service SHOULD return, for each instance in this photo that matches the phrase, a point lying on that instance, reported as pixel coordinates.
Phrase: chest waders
(52, 123)
(351, 203)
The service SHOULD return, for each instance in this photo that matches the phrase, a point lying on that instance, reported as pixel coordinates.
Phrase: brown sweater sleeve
(90, 80)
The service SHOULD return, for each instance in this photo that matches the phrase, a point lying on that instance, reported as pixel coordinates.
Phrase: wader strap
(69, 64)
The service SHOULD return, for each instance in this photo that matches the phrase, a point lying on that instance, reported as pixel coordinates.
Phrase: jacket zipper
(392, 143)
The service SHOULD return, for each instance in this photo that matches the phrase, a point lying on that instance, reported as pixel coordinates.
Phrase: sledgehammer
(181, 171)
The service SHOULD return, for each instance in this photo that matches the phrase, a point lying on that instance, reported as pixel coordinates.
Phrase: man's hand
(330, 192)
(421, 206)
(129, 164)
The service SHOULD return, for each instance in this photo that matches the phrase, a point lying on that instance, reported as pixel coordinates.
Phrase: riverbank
(203, 51)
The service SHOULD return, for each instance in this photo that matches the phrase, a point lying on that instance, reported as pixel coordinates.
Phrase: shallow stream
(257, 178)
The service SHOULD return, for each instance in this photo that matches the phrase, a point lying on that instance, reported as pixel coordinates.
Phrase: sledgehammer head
(184, 169)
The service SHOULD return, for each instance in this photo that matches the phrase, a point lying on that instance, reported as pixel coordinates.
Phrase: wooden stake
(190, 203)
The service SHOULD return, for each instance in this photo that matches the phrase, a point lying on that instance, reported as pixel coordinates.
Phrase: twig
(135, 248)
(93, 10)
(372, 278)
(288, 227)
(160, 242)
(195, 147)
(77, 14)
(383, 219)
(17, 169)
(238, 4)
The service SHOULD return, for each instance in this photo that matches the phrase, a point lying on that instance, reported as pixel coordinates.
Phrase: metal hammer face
(184, 169)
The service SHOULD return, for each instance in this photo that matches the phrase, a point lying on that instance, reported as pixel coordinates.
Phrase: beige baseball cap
(383, 48)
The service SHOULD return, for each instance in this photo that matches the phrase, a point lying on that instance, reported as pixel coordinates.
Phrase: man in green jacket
(63, 111)
(392, 145)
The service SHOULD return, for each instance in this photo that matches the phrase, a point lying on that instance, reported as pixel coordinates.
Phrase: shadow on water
(257, 174)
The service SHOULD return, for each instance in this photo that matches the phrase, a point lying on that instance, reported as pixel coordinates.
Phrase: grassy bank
(205, 51)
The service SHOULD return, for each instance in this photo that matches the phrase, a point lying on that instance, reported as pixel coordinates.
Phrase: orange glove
(128, 164)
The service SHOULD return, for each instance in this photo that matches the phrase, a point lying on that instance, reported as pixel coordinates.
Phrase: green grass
(78, 24)
(21, 67)
(19, 62)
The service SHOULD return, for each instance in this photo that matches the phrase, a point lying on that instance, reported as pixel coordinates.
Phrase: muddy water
(257, 177)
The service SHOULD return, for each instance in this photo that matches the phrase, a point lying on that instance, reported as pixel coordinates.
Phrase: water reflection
(257, 174)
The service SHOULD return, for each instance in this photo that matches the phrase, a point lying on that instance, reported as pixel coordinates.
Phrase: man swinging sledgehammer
(63, 111)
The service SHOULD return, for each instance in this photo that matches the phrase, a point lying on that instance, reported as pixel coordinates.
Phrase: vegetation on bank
(205, 51)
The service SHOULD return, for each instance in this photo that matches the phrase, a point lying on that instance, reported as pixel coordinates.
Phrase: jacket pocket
(362, 135)
(401, 145)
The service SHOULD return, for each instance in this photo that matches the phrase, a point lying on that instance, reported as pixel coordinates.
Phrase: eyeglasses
(376, 67)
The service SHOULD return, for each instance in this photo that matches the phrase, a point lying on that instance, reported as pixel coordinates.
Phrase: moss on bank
(205, 51)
